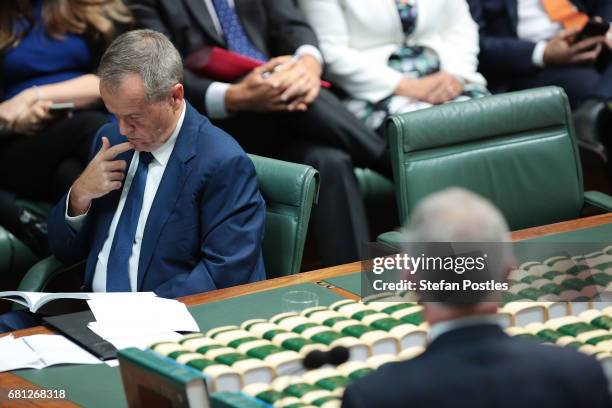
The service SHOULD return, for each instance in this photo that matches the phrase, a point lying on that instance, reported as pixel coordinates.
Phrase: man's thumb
(105, 144)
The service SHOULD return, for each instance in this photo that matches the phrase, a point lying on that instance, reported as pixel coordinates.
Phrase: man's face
(147, 125)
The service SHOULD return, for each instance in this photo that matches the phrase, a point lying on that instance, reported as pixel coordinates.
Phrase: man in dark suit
(531, 43)
(169, 203)
(471, 362)
(278, 109)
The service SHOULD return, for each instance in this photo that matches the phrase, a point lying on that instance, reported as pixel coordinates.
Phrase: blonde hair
(63, 16)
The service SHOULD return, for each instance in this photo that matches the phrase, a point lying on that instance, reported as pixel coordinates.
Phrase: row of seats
(516, 149)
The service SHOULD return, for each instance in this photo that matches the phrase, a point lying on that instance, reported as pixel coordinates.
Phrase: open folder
(223, 65)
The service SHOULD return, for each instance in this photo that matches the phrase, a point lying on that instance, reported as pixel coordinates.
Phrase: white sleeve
(538, 53)
(215, 100)
(76, 223)
(460, 42)
(311, 50)
(347, 67)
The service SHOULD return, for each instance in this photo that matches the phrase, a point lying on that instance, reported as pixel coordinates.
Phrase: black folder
(74, 327)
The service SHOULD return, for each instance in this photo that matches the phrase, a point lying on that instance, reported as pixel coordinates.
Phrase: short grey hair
(456, 215)
(146, 53)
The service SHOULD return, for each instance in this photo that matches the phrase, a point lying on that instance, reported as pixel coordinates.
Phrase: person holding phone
(531, 43)
(49, 52)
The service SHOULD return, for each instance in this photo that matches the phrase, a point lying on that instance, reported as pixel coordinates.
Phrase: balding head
(456, 215)
(469, 224)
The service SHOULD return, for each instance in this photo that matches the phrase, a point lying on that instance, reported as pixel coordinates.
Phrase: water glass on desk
(298, 300)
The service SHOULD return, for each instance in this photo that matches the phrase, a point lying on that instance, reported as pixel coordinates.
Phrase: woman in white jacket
(393, 56)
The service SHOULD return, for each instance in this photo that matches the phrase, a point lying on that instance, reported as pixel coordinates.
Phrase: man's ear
(177, 94)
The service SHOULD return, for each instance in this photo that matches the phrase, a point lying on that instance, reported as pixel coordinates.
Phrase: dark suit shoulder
(483, 372)
(218, 152)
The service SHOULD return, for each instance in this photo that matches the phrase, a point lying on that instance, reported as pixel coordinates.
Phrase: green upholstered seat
(289, 190)
(516, 149)
(374, 186)
(15, 257)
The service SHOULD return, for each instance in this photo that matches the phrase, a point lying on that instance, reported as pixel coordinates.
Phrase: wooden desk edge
(12, 381)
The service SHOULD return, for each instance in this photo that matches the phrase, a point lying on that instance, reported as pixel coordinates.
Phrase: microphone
(316, 359)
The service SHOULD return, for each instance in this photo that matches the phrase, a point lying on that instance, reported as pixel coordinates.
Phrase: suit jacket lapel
(176, 173)
(200, 11)
(246, 11)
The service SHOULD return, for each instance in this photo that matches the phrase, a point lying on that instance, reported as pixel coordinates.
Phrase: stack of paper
(139, 321)
(39, 351)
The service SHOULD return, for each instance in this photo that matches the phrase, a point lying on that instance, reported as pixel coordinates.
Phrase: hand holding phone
(593, 28)
(61, 108)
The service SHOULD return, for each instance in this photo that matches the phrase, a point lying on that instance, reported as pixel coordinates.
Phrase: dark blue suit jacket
(205, 227)
(502, 54)
(480, 366)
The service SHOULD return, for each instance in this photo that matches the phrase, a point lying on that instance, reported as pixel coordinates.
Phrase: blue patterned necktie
(237, 40)
(117, 270)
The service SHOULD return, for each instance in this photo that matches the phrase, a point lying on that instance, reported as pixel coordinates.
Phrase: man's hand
(256, 93)
(300, 80)
(562, 50)
(101, 176)
(32, 118)
(282, 84)
(436, 88)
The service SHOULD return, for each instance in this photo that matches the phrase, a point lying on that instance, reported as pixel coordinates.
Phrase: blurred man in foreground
(470, 361)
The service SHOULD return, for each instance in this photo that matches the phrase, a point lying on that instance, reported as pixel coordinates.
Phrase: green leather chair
(15, 256)
(289, 189)
(516, 149)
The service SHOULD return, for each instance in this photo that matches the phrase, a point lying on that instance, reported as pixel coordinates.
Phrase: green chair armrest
(40, 208)
(374, 185)
(40, 274)
(392, 239)
(598, 199)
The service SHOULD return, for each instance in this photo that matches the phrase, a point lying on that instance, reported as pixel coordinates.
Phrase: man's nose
(125, 128)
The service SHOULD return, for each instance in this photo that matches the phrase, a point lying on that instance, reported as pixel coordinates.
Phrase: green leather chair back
(517, 149)
(289, 190)
(15, 260)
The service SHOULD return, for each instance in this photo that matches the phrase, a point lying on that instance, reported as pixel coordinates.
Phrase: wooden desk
(10, 381)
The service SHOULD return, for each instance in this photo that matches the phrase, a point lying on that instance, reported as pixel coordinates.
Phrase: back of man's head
(454, 225)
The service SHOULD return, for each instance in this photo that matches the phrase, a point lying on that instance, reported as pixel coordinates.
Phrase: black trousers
(330, 139)
(43, 166)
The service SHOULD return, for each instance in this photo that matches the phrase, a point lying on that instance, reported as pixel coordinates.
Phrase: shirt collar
(440, 328)
(162, 153)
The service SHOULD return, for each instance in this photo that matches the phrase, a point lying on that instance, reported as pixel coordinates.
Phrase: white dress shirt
(215, 94)
(535, 25)
(161, 156)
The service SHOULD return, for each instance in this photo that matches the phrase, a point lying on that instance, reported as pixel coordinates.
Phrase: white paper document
(138, 316)
(41, 350)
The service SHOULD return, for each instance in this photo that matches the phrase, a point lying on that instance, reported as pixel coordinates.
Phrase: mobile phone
(593, 29)
(61, 108)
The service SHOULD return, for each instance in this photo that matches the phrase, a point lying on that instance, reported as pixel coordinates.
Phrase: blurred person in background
(49, 52)
(531, 43)
(395, 56)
